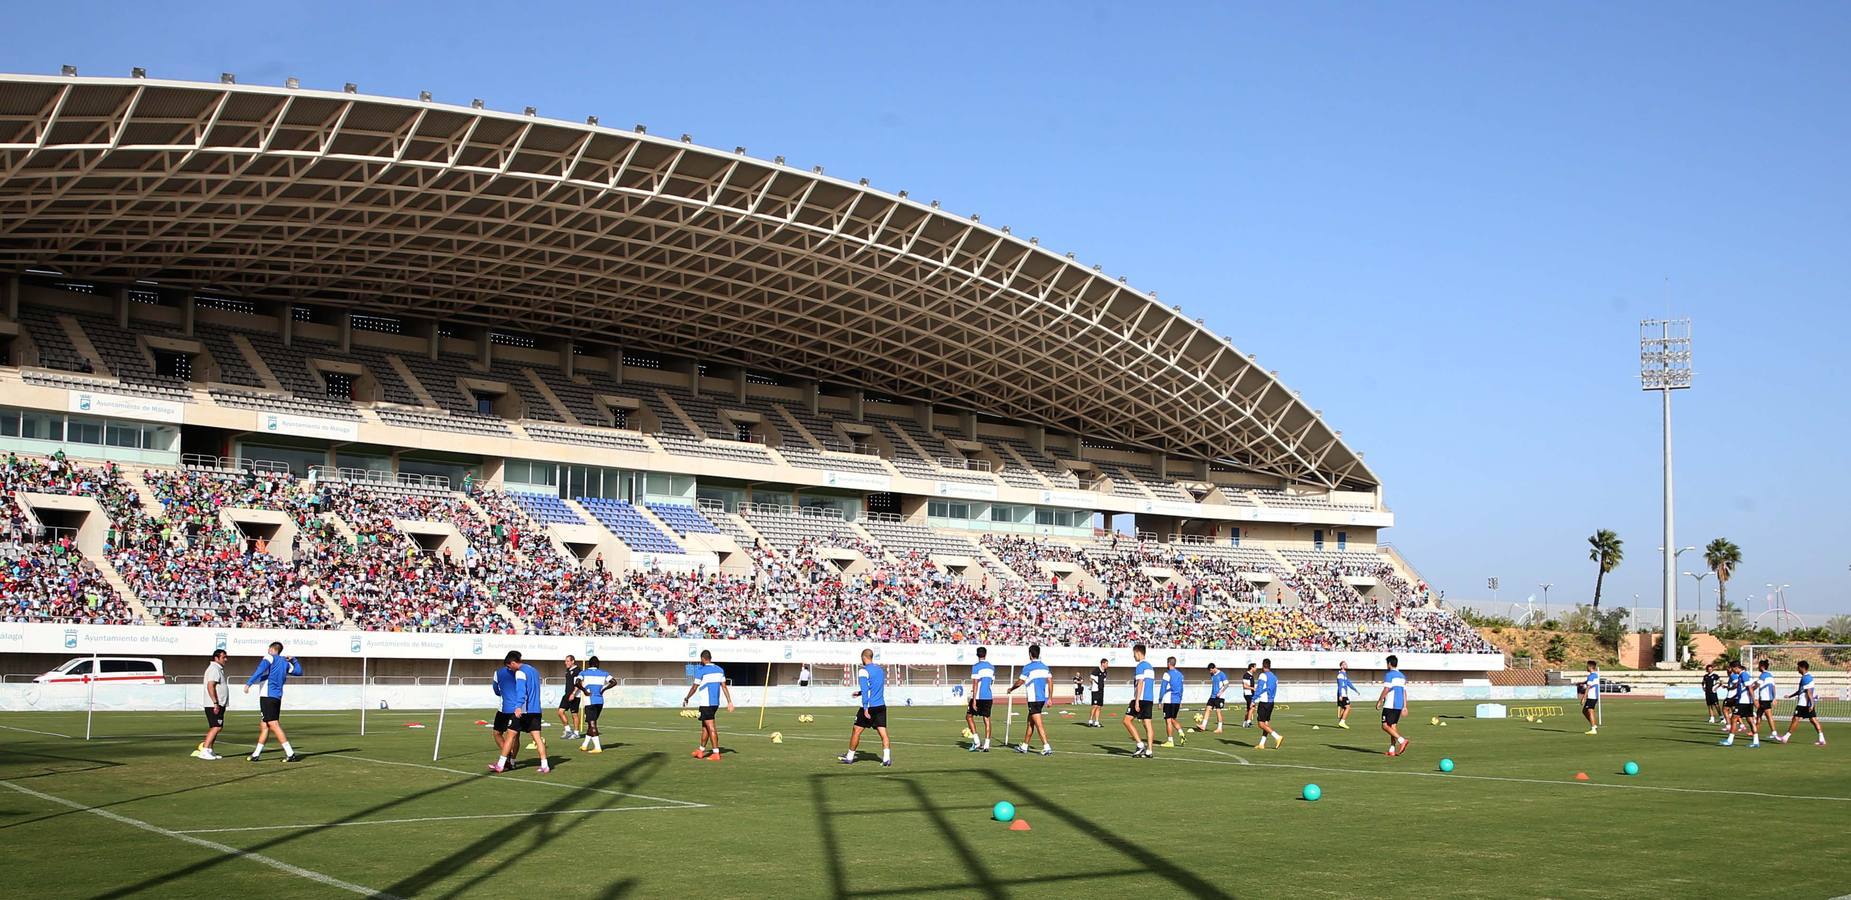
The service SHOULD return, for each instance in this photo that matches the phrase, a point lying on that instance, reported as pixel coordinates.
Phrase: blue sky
(1442, 222)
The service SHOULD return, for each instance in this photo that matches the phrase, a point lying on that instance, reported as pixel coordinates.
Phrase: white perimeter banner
(157, 640)
(308, 426)
(118, 406)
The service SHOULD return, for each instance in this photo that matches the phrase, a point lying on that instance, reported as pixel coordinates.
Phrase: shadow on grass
(127, 800)
(535, 831)
(1356, 749)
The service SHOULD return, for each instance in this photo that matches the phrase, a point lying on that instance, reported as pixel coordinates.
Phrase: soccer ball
(967, 732)
(1529, 718)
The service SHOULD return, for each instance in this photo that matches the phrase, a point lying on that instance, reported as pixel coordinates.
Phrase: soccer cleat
(1180, 740)
(545, 769)
(1726, 742)
(714, 756)
(196, 752)
(1343, 725)
(846, 758)
(1819, 743)
(496, 767)
(1592, 731)
(887, 763)
(1169, 743)
(985, 748)
(293, 757)
(976, 748)
(1047, 751)
(1020, 748)
(252, 757)
(595, 750)
(1278, 741)
(1756, 745)
(699, 753)
(1783, 738)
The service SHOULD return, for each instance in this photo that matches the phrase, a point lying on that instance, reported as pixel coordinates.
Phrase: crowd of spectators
(351, 564)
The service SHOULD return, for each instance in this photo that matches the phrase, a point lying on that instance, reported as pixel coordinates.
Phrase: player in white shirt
(1589, 690)
(1765, 692)
(1805, 706)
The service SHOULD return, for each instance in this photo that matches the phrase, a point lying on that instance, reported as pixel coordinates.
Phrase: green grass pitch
(131, 814)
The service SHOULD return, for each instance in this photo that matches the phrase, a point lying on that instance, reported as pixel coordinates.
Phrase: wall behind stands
(134, 640)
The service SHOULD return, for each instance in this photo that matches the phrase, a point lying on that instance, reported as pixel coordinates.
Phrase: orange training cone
(1580, 776)
(1019, 825)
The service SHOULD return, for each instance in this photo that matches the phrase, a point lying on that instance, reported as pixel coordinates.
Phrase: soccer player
(508, 687)
(591, 683)
(1345, 690)
(1246, 694)
(1806, 707)
(872, 679)
(1171, 696)
(1217, 687)
(569, 714)
(710, 681)
(982, 680)
(1143, 694)
(1589, 690)
(1741, 704)
(218, 693)
(1265, 693)
(1710, 700)
(274, 671)
(1765, 692)
(1039, 681)
(1099, 676)
(1392, 703)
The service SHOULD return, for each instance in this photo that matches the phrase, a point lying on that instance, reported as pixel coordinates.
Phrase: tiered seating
(392, 388)
(546, 509)
(118, 348)
(436, 421)
(580, 400)
(288, 363)
(728, 450)
(787, 529)
(233, 366)
(1274, 497)
(646, 398)
(608, 438)
(629, 525)
(1160, 487)
(684, 519)
(533, 403)
(55, 348)
(155, 389)
(1043, 463)
(297, 406)
(439, 378)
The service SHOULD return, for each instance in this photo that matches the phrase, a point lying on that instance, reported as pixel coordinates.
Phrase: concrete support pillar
(433, 341)
(923, 413)
(810, 397)
(1038, 438)
(614, 358)
(343, 333)
(739, 385)
(12, 298)
(967, 423)
(568, 357)
(691, 369)
(286, 322)
(485, 349)
(122, 308)
(857, 401)
(189, 308)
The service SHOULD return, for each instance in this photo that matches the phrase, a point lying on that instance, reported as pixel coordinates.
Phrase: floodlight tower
(1664, 366)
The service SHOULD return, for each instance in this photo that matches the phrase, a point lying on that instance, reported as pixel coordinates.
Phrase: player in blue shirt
(274, 670)
(1805, 706)
(1392, 703)
(520, 703)
(1589, 690)
(981, 700)
(1171, 694)
(1143, 694)
(872, 681)
(591, 682)
(1765, 694)
(1346, 689)
(1741, 702)
(1265, 694)
(1217, 701)
(1039, 681)
(710, 682)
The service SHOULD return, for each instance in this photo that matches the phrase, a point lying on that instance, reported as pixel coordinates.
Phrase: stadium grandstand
(276, 358)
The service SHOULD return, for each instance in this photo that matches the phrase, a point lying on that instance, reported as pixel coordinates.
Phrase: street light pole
(1664, 366)
(1700, 576)
(1545, 598)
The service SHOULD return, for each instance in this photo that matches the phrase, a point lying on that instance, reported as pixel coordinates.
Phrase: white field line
(259, 858)
(565, 785)
(36, 731)
(421, 819)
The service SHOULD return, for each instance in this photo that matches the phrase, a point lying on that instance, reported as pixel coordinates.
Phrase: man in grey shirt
(217, 692)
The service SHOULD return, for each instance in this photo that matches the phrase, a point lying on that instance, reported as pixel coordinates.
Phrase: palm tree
(1604, 550)
(1723, 557)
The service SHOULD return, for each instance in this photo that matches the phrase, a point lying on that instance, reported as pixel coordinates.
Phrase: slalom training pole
(764, 696)
(363, 696)
(90, 707)
(1009, 720)
(443, 706)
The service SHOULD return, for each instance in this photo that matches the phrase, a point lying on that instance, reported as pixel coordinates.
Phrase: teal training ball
(1312, 792)
(1003, 811)
(1446, 765)
(1631, 768)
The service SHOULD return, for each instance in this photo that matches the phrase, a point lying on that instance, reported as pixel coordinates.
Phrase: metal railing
(376, 476)
(232, 463)
(968, 465)
(825, 513)
(884, 518)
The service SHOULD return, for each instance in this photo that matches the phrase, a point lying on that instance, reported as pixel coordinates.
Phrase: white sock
(257, 752)
(886, 754)
(986, 743)
(597, 743)
(288, 750)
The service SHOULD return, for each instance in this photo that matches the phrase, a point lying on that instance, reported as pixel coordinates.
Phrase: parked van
(109, 670)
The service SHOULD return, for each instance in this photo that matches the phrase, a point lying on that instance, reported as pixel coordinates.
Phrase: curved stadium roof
(511, 221)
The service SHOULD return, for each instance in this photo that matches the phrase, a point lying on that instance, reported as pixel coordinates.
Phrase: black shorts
(1745, 710)
(871, 717)
(1034, 707)
(981, 708)
(530, 723)
(569, 704)
(1171, 709)
(1391, 716)
(1343, 703)
(1262, 711)
(1139, 709)
(1803, 712)
(1248, 701)
(708, 712)
(505, 721)
(592, 711)
(1764, 705)
(1217, 703)
(271, 707)
(1099, 698)
(1710, 699)
(1589, 704)
(215, 717)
